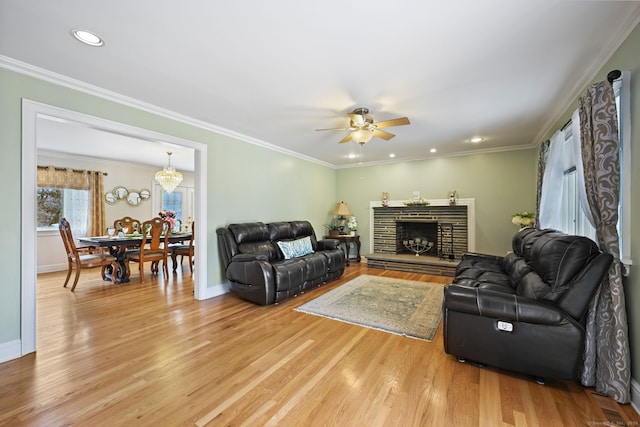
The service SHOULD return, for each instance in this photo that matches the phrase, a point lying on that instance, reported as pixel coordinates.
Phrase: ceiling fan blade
(393, 122)
(345, 139)
(383, 134)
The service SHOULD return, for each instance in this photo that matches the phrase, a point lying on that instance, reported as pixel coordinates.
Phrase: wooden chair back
(132, 223)
(154, 246)
(156, 236)
(80, 257)
(67, 238)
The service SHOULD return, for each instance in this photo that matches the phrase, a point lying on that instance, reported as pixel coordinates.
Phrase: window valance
(57, 177)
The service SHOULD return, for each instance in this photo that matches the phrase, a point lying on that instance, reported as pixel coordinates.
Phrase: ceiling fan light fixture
(362, 136)
(169, 178)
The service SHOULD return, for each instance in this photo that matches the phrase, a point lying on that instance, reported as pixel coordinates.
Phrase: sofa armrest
(328, 244)
(500, 305)
(495, 258)
(251, 269)
(249, 257)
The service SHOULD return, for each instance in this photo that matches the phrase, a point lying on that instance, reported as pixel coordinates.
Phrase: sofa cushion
(558, 258)
(289, 274)
(295, 248)
(532, 286)
(516, 267)
(249, 232)
(303, 228)
(259, 248)
(280, 231)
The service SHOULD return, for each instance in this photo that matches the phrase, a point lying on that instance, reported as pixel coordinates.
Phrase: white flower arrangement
(524, 219)
(352, 224)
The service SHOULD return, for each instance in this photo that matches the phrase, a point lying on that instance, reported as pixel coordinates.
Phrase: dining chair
(154, 246)
(81, 256)
(132, 224)
(183, 250)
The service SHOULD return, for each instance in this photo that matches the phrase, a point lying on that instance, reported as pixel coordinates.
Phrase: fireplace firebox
(412, 230)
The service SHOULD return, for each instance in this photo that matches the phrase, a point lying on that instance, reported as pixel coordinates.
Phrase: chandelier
(168, 177)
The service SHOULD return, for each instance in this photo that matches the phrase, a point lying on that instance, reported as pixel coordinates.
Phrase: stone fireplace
(451, 230)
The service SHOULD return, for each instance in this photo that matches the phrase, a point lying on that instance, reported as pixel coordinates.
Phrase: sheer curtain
(606, 358)
(549, 215)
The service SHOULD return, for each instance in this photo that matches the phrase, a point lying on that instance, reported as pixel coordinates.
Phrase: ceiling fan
(363, 127)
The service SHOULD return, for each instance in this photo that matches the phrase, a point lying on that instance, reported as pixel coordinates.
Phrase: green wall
(245, 182)
(502, 184)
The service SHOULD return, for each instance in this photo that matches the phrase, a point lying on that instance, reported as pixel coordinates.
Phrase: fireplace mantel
(470, 203)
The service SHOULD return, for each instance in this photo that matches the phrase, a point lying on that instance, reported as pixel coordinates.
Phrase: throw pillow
(295, 248)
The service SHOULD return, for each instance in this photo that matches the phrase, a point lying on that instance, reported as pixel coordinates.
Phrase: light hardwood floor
(148, 354)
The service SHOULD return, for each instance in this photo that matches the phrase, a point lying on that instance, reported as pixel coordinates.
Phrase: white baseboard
(216, 290)
(10, 350)
(51, 268)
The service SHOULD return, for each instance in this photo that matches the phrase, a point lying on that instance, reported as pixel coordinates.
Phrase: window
(622, 89)
(572, 213)
(173, 202)
(54, 204)
(574, 219)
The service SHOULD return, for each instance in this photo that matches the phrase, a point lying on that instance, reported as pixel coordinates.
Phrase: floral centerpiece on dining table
(169, 216)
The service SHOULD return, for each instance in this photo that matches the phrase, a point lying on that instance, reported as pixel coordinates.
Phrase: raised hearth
(413, 264)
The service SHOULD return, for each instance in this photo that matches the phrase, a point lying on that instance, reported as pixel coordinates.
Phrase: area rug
(402, 307)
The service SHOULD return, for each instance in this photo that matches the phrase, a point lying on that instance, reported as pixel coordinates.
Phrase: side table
(347, 240)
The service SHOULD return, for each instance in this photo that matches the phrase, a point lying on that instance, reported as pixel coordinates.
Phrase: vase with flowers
(170, 217)
(524, 219)
(353, 225)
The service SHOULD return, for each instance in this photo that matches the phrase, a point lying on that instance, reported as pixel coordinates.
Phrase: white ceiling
(274, 71)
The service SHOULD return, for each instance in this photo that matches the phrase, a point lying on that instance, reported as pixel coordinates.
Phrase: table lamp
(341, 211)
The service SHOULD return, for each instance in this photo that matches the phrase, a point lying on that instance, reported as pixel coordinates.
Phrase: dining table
(119, 271)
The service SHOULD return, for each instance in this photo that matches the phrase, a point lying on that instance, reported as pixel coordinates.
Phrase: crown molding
(443, 156)
(71, 83)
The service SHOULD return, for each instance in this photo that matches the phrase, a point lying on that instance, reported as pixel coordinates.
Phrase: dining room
(128, 190)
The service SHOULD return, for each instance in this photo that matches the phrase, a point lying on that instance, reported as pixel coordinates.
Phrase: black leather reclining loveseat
(267, 263)
(526, 311)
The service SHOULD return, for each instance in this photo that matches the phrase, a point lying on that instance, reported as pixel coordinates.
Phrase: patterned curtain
(606, 358)
(543, 155)
(92, 181)
(97, 222)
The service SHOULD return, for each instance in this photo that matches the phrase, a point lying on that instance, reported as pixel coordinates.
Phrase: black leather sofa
(256, 265)
(525, 312)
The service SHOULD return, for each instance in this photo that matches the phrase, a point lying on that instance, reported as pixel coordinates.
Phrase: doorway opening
(32, 113)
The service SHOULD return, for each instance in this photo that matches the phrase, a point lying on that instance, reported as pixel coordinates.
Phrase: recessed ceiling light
(392, 155)
(476, 139)
(433, 150)
(87, 37)
(352, 156)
